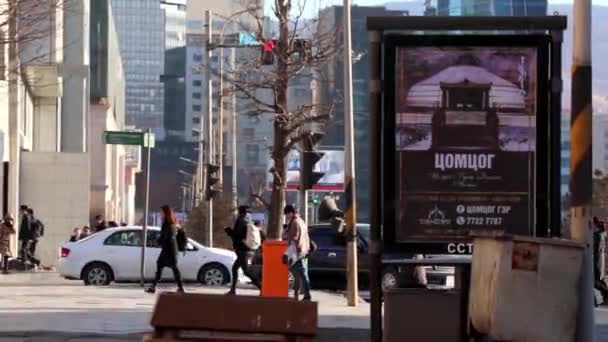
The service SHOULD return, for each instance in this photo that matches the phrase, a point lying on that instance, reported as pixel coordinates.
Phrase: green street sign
(123, 138)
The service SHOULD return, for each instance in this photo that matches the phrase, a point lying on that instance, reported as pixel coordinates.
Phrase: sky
(313, 6)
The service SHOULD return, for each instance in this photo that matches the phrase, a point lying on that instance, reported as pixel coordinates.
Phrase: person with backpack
(37, 232)
(246, 238)
(169, 249)
(25, 234)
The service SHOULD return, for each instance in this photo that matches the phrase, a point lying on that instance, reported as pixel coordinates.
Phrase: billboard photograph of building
(465, 134)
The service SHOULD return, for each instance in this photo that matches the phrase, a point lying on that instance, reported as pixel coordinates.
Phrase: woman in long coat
(168, 253)
(7, 229)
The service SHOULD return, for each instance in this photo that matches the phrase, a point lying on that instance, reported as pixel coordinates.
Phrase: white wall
(56, 186)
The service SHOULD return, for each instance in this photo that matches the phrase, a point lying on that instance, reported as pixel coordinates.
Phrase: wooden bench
(203, 317)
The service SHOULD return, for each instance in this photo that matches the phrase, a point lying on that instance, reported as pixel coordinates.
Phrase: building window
(248, 133)
(197, 83)
(301, 92)
(196, 108)
(197, 96)
(253, 152)
(195, 134)
(197, 57)
(196, 120)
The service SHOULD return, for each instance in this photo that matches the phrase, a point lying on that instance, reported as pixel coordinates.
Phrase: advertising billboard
(465, 140)
(332, 165)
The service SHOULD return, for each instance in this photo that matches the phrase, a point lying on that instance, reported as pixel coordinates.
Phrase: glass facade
(174, 77)
(492, 7)
(141, 34)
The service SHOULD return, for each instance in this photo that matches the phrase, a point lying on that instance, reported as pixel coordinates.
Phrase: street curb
(325, 335)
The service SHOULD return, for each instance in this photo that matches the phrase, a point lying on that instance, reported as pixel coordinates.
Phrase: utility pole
(580, 162)
(147, 148)
(303, 199)
(209, 128)
(220, 117)
(235, 195)
(352, 295)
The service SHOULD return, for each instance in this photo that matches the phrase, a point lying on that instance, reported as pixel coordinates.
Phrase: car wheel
(97, 274)
(390, 279)
(213, 275)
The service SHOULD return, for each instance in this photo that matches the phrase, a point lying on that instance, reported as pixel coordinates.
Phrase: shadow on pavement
(98, 324)
(325, 335)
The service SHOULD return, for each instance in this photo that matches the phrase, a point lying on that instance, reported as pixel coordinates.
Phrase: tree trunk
(277, 199)
(281, 137)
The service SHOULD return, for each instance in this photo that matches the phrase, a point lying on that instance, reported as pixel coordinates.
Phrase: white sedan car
(114, 254)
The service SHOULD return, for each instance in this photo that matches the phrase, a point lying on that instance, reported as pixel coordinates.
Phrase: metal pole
(555, 209)
(209, 128)
(352, 295)
(375, 182)
(580, 161)
(146, 204)
(304, 205)
(220, 119)
(235, 195)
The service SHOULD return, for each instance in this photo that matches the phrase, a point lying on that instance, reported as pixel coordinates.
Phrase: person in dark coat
(168, 253)
(238, 234)
(36, 233)
(100, 223)
(25, 233)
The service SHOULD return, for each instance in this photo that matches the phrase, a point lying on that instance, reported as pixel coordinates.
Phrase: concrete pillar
(75, 73)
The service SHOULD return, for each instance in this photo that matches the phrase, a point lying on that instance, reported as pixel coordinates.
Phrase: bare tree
(30, 26)
(298, 48)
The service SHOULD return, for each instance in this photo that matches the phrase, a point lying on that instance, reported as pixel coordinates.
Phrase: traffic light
(309, 177)
(212, 179)
(267, 56)
(303, 48)
(309, 158)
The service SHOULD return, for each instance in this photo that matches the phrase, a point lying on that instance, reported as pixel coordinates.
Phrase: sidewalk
(43, 305)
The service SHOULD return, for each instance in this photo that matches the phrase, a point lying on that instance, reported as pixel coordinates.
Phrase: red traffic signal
(270, 45)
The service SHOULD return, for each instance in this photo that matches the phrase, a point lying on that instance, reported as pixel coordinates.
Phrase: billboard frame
(462, 244)
(552, 26)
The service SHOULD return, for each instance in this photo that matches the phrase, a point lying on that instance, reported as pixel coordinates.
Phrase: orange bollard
(275, 274)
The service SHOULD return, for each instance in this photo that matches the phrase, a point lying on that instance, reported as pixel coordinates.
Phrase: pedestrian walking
(298, 238)
(100, 223)
(599, 283)
(75, 235)
(7, 229)
(37, 232)
(25, 233)
(86, 232)
(169, 249)
(244, 252)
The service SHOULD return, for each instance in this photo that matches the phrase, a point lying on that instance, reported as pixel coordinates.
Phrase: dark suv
(327, 265)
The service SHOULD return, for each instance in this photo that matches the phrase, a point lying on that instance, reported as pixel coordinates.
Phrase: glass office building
(175, 69)
(492, 7)
(141, 34)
